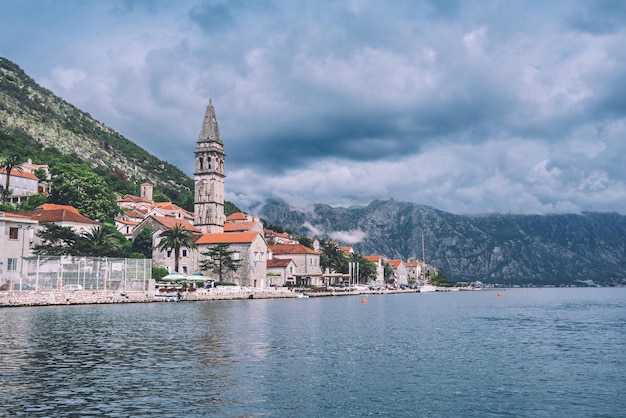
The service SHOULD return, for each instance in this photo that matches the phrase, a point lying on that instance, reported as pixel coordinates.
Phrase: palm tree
(9, 163)
(176, 238)
(101, 242)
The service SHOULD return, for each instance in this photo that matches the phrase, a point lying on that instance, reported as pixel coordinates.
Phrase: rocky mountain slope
(506, 249)
(31, 113)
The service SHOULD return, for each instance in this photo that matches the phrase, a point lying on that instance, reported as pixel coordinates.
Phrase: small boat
(302, 296)
(169, 298)
(427, 288)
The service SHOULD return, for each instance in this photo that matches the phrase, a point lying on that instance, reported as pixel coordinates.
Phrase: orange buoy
(363, 300)
(499, 294)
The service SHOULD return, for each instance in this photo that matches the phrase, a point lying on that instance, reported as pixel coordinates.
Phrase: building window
(13, 233)
(12, 264)
(169, 253)
(236, 256)
(185, 252)
(184, 269)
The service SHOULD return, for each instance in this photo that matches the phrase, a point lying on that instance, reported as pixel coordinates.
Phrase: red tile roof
(279, 262)
(170, 222)
(373, 258)
(24, 174)
(53, 206)
(291, 249)
(59, 215)
(238, 226)
(238, 216)
(227, 238)
(395, 263)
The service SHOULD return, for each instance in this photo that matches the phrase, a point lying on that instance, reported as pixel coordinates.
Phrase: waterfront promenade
(87, 297)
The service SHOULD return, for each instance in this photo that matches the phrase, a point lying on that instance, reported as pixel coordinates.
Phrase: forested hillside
(36, 124)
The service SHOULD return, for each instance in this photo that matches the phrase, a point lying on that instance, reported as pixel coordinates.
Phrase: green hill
(36, 124)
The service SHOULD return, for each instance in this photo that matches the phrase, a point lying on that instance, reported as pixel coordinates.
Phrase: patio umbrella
(199, 277)
(173, 277)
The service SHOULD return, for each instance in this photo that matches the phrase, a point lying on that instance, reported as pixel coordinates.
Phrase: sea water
(511, 352)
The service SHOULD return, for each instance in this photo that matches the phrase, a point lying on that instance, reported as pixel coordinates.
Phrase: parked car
(17, 286)
(72, 286)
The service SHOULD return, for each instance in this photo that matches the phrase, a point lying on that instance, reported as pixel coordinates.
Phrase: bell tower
(209, 176)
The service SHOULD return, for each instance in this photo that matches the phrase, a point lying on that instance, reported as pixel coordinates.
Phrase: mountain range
(568, 249)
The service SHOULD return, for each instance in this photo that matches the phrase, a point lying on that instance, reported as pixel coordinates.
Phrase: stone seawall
(76, 297)
(87, 297)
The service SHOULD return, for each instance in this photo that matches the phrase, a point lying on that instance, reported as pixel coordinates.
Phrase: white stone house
(307, 261)
(16, 239)
(249, 248)
(21, 185)
(400, 273)
(280, 272)
(414, 270)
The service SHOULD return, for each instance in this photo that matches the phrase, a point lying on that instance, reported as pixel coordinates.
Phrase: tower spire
(209, 175)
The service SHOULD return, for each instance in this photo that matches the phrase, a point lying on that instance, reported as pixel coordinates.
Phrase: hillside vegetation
(36, 124)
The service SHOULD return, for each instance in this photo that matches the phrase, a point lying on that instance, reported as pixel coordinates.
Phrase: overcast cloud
(468, 106)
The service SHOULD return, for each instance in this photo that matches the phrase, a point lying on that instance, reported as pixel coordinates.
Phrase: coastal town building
(400, 273)
(250, 249)
(16, 239)
(307, 262)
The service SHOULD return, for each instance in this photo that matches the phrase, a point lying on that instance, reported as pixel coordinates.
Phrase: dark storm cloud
(471, 106)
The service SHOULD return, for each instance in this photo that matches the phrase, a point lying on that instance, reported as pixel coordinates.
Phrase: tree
(388, 271)
(333, 258)
(9, 163)
(176, 238)
(367, 269)
(104, 241)
(142, 244)
(57, 240)
(306, 242)
(220, 260)
(77, 185)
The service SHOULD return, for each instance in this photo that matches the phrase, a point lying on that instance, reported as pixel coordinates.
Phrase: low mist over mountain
(504, 249)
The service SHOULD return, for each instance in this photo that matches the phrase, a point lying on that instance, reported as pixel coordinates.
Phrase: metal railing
(49, 273)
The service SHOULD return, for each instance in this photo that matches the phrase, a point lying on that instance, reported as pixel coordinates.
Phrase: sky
(467, 106)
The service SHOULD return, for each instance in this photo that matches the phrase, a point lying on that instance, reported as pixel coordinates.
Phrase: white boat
(427, 288)
(302, 296)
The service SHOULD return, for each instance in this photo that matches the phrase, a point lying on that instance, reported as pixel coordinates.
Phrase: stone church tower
(209, 176)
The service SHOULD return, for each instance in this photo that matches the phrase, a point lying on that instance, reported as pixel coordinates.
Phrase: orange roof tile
(59, 215)
(227, 238)
(54, 206)
(23, 174)
(373, 258)
(279, 262)
(238, 216)
(291, 249)
(238, 226)
(170, 222)
(395, 263)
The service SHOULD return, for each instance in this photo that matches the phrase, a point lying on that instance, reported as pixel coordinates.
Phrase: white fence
(48, 273)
